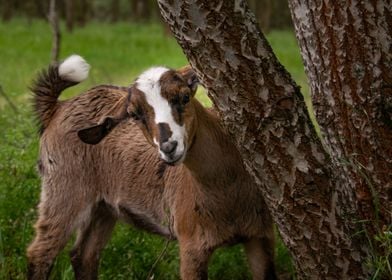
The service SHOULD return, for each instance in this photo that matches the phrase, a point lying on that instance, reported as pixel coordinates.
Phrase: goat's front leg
(194, 260)
(90, 242)
(260, 253)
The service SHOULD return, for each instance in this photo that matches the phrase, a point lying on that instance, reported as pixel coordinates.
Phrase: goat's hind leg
(49, 241)
(53, 229)
(260, 253)
(90, 241)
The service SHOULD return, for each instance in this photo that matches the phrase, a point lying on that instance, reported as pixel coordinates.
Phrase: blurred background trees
(78, 13)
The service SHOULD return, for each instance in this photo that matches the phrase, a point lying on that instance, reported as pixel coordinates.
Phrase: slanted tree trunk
(347, 50)
(313, 197)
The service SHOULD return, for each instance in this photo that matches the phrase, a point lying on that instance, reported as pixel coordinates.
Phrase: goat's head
(160, 102)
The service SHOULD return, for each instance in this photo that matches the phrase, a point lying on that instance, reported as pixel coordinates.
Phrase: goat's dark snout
(169, 147)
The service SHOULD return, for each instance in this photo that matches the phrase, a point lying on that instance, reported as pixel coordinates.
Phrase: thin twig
(8, 100)
(163, 252)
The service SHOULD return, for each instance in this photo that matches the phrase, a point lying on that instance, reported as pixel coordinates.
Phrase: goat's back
(122, 167)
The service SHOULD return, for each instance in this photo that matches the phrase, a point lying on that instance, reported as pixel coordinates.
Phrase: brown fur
(204, 203)
(47, 89)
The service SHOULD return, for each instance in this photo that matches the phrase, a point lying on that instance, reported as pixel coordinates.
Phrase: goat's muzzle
(170, 152)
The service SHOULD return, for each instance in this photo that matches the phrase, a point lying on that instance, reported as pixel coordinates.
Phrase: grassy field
(117, 54)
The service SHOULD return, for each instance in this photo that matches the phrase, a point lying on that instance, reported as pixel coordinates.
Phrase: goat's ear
(190, 77)
(94, 134)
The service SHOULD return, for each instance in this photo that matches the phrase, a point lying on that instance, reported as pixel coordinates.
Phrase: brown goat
(159, 161)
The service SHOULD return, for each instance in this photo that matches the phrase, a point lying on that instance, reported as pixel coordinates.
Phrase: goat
(153, 157)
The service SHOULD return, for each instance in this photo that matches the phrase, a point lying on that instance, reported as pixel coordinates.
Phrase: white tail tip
(74, 69)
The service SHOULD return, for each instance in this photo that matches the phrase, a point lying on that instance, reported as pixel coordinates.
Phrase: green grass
(382, 263)
(117, 54)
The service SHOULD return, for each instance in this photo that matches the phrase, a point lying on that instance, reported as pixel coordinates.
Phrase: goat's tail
(51, 82)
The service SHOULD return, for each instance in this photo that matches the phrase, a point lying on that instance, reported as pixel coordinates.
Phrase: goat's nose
(169, 147)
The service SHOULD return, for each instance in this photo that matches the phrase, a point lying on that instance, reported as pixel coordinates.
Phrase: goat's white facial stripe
(148, 83)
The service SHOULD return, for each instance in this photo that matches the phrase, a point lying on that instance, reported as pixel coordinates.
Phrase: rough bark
(347, 50)
(313, 206)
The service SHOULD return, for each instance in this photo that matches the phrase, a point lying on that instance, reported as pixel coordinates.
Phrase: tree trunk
(313, 197)
(54, 23)
(347, 50)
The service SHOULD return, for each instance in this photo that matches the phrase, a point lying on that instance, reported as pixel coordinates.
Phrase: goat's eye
(185, 99)
(175, 100)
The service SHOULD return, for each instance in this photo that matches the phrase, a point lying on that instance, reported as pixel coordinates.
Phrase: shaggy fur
(205, 202)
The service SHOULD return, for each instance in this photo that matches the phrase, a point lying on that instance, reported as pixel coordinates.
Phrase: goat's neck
(212, 158)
